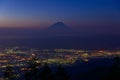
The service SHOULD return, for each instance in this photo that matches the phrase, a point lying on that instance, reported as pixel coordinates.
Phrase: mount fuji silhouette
(59, 26)
(58, 29)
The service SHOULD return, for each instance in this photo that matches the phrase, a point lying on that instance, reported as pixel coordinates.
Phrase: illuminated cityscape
(20, 56)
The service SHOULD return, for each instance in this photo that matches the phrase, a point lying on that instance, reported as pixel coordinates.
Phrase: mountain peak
(59, 25)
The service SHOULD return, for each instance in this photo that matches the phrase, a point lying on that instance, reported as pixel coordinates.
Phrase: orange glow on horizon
(23, 23)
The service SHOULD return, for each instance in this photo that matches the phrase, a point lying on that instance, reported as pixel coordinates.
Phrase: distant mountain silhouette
(59, 29)
(59, 26)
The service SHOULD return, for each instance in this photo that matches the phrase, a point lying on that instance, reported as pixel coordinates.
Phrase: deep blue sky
(76, 13)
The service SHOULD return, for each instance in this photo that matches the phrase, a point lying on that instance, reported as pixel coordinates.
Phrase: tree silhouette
(46, 73)
(27, 75)
(114, 73)
(32, 70)
(9, 73)
(61, 74)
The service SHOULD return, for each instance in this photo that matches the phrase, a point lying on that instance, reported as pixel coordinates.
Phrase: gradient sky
(76, 13)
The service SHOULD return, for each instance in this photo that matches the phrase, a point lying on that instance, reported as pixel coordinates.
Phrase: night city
(59, 40)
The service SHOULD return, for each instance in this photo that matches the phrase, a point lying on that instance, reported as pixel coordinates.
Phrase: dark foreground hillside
(95, 69)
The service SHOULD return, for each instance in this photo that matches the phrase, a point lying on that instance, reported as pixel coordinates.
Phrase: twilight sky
(76, 13)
